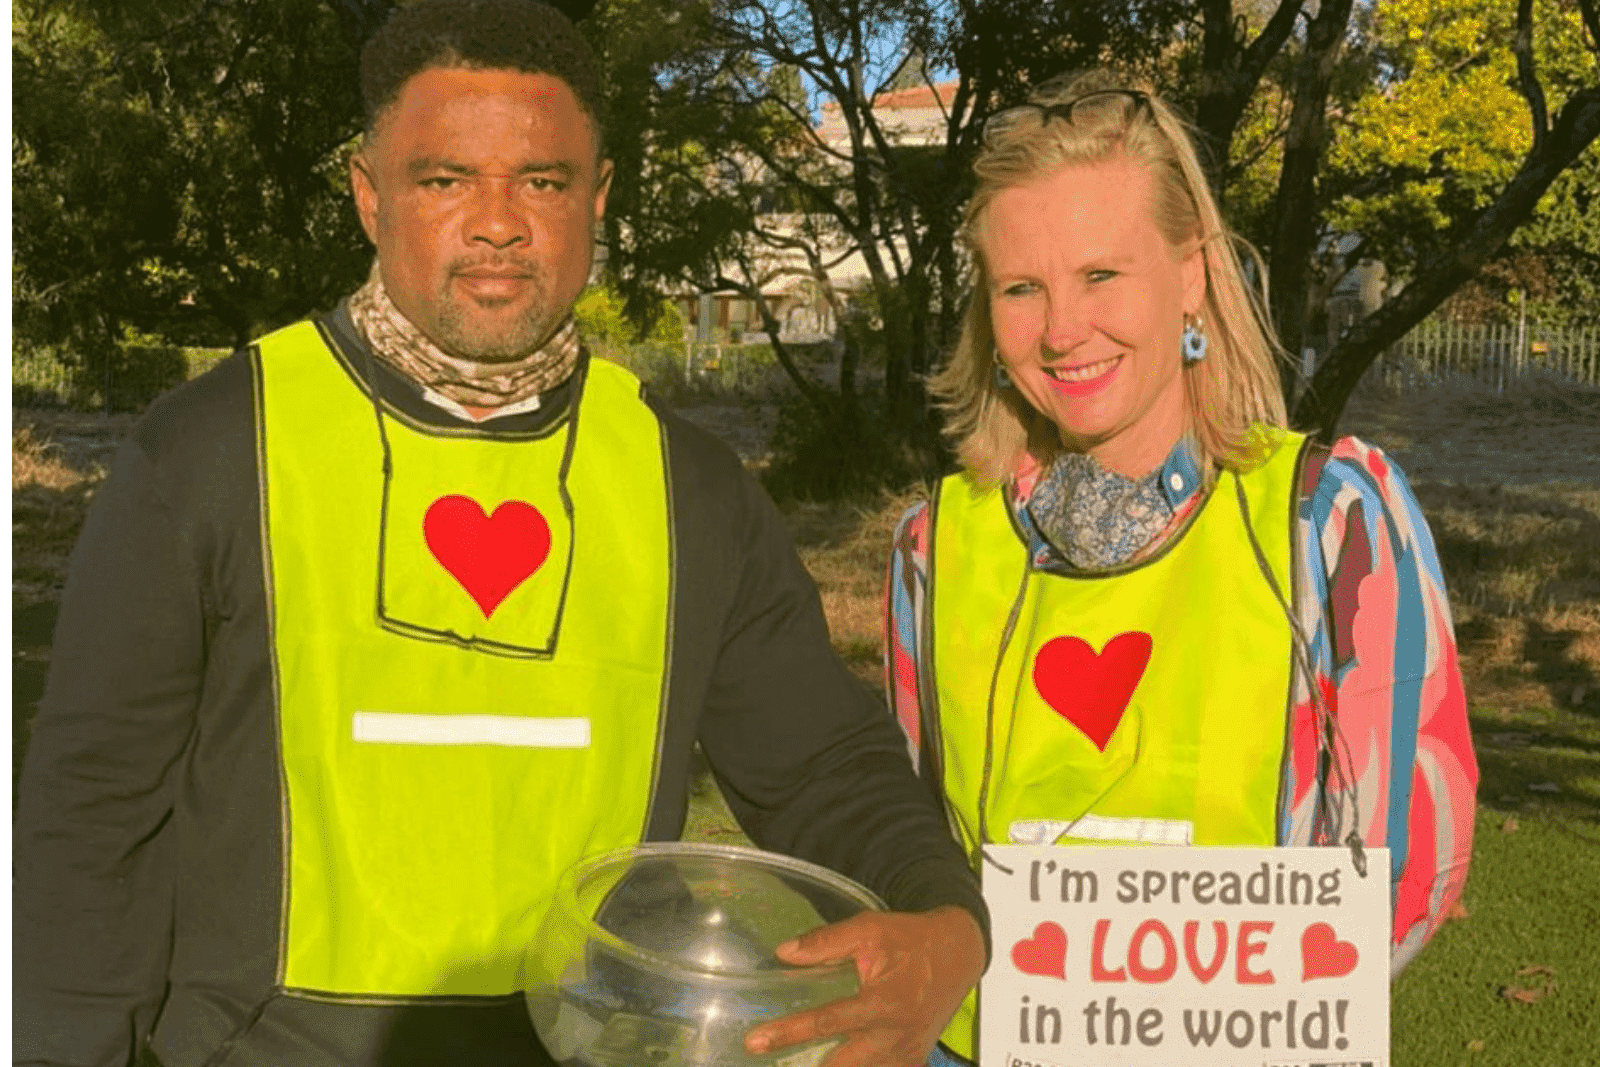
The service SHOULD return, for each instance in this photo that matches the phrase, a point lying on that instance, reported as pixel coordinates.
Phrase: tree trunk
(769, 322)
(1296, 231)
(849, 360)
(1229, 75)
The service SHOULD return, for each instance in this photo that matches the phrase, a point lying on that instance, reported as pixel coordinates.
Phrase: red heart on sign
(490, 555)
(1323, 955)
(1089, 691)
(1045, 953)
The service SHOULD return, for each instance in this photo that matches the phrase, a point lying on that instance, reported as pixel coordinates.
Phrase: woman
(1145, 611)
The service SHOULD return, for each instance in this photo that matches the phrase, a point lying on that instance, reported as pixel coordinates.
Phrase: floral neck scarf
(398, 342)
(1097, 518)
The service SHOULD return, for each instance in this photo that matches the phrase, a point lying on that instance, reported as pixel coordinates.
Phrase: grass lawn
(1516, 982)
(709, 819)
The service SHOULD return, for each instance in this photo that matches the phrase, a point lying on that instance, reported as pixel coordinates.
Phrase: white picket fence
(1493, 354)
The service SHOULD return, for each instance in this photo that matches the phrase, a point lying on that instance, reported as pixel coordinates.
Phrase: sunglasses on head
(1088, 109)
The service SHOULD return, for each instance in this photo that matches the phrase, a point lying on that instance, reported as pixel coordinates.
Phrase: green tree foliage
(1427, 146)
(1555, 258)
(1462, 140)
(84, 218)
(178, 166)
(604, 324)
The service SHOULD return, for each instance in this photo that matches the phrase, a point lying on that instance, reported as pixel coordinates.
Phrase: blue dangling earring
(1002, 379)
(1194, 341)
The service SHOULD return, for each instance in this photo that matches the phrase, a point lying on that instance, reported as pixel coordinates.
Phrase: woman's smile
(1084, 379)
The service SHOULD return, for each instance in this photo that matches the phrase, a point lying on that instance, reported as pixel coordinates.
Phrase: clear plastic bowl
(662, 956)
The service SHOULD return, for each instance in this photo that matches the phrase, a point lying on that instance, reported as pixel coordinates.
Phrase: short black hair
(522, 35)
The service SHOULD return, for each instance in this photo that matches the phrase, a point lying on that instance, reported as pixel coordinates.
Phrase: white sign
(1234, 957)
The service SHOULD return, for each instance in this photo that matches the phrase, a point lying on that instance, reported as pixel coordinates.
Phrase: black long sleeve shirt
(148, 859)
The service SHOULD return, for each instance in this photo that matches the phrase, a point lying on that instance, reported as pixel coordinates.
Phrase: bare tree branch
(1527, 79)
(1268, 42)
(1481, 59)
(1244, 163)
(751, 290)
(1230, 75)
(247, 42)
(944, 112)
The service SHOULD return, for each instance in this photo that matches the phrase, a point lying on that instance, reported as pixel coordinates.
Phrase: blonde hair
(1234, 387)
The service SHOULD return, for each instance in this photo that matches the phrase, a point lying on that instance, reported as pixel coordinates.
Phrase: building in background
(802, 259)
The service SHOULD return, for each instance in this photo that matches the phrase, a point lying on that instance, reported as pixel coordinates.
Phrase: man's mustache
(498, 266)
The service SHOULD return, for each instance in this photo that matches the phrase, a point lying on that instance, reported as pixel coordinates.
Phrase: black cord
(377, 412)
(988, 724)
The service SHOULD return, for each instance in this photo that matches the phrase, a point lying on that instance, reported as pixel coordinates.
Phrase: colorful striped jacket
(1371, 600)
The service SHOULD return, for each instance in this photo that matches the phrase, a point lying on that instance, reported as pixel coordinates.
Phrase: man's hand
(914, 970)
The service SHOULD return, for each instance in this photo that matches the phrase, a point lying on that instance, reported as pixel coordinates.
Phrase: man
(391, 618)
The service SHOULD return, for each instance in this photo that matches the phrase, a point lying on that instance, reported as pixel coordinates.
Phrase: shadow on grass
(1548, 776)
(1543, 656)
(1572, 682)
(1515, 550)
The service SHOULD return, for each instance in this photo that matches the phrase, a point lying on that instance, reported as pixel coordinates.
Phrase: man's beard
(459, 336)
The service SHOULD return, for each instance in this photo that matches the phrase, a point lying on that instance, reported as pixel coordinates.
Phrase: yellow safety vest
(1144, 705)
(470, 635)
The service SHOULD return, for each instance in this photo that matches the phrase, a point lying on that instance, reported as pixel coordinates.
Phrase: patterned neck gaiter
(400, 344)
(1097, 518)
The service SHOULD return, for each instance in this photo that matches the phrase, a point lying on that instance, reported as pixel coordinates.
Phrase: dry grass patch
(846, 549)
(1539, 431)
(1522, 564)
(35, 461)
(51, 484)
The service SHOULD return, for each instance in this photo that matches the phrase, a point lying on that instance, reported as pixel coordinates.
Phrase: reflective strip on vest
(1125, 708)
(383, 727)
(470, 659)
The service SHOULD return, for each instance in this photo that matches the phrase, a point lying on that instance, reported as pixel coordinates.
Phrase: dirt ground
(1538, 434)
(745, 427)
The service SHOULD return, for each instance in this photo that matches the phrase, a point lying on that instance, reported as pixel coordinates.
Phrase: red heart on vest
(1089, 691)
(1045, 953)
(1323, 955)
(490, 555)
